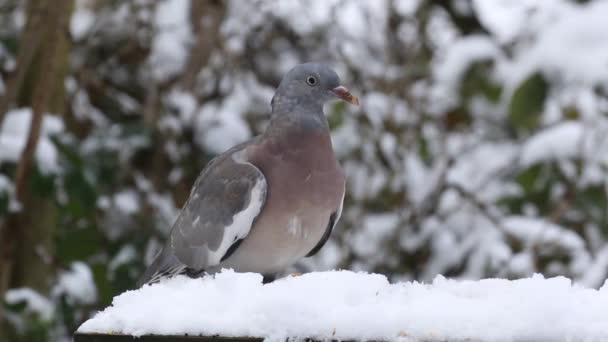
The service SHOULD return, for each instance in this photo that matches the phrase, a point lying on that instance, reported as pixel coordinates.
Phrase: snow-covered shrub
(480, 148)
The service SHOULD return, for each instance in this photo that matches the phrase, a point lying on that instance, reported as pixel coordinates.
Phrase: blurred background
(480, 149)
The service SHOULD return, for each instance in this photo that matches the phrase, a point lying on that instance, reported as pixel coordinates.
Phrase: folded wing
(223, 205)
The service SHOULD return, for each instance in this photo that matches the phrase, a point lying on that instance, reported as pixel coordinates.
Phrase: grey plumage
(264, 204)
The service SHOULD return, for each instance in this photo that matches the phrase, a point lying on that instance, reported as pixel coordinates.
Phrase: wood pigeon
(266, 203)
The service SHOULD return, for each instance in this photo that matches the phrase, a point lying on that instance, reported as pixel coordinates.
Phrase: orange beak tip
(344, 94)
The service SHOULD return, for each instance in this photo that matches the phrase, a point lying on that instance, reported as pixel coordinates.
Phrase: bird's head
(311, 83)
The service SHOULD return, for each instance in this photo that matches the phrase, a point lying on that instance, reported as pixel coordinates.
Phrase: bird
(266, 203)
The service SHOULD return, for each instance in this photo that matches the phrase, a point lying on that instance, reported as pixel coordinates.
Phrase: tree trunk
(26, 237)
(31, 35)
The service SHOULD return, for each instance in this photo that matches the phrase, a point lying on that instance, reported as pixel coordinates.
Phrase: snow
(219, 126)
(13, 136)
(420, 180)
(317, 13)
(165, 209)
(82, 21)
(352, 19)
(571, 141)
(127, 201)
(567, 42)
(570, 43)
(7, 188)
(173, 36)
(348, 305)
(467, 171)
(76, 284)
(450, 68)
(375, 228)
(451, 63)
(535, 230)
(597, 272)
(184, 103)
(559, 142)
(407, 7)
(377, 107)
(5, 184)
(35, 302)
(346, 19)
(505, 19)
(126, 255)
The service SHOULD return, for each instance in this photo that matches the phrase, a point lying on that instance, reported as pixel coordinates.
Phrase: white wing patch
(241, 222)
(339, 211)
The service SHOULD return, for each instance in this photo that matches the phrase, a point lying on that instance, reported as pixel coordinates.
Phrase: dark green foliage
(81, 193)
(41, 184)
(477, 80)
(4, 203)
(78, 243)
(35, 329)
(527, 104)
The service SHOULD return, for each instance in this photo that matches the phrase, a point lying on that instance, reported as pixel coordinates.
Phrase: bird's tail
(165, 265)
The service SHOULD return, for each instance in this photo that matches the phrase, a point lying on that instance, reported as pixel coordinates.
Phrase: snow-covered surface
(82, 20)
(173, 35)
(5, 184)
(450, 68)
(347, 305)
(127, 201)
(565, 41)
(34, 301)
(221, 126)
(126, 255)
(77, 284)
(504, 18)
(572, 140)
(560, 142)
(13, 136)
(569, 42)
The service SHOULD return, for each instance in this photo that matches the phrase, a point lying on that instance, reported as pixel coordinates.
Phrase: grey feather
(222, 191)
(165, 265)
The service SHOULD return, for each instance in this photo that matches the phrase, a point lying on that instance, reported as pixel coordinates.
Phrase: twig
(483, 207)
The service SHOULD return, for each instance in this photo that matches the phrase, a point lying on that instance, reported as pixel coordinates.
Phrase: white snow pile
(35, 302)
(566, 41)
(13, 137)
(77, 284)
(173, 34)
(360, 306)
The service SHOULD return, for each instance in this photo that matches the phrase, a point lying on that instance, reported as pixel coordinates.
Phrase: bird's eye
(311, 80)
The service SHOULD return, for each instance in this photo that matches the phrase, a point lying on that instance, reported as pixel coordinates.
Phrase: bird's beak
(342, 92)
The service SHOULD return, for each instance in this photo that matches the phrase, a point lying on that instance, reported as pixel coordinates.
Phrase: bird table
(346, 305)
(83, 337)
